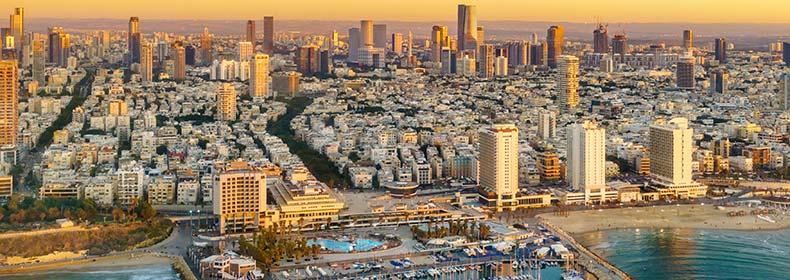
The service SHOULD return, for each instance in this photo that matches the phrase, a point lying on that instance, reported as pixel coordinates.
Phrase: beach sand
(92, 264)
(664, 217)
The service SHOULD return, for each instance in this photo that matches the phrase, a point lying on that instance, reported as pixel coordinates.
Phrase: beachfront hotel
(671, 159)
(239, 197)
(301, 202)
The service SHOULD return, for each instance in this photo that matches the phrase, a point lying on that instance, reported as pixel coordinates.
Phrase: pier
(591, 261)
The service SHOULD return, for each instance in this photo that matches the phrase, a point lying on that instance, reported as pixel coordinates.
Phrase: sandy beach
(91, 264)
(664, 217)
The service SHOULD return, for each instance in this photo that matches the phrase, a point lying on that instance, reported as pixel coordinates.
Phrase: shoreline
(683, 228)
(98, 263)
(695, 217)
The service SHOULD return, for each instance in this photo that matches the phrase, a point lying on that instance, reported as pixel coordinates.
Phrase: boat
(571, 275)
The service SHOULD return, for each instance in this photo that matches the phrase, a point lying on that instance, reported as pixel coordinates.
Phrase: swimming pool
(361, 245)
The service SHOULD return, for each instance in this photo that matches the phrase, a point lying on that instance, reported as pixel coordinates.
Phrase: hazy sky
(753, 11)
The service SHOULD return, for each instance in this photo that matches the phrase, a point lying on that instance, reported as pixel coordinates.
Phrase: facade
(555, 39)
(268, 35)
(439, 40)
(688, 40)
(485, 59)
(6, 186)
(567, 82)
(206, 42)
(146, 62)
(239, 197)
(129, 186)
(226, 102)
(601, 39)
(353, 44)
(286, 83)
(547, 125)
(720, 48)
(302, 203)
(499, 162)
(9, 103)
(671, 159)
(246, 50)
(180, 63)
(685, 73)
(380, 36)
(259, 76)
(134, 40)
(397, 43)
(719, 81)
(586, 154)
(467, 27)
(308, 60)
(620, 45)
(251, 32)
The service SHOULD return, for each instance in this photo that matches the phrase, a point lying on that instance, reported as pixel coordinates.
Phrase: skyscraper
(365, 33)
(17, 25)
(259, 78)
(39, 59)
(685, 73)
(786, 53)
(147, 62)
(784, 92)
(586, 162)
(9, 103)
(518, 53)
(134, 40)
(380, 36)
(353, 44)
(397, 43)
(500, 66)
(719, 80)
(439, 40)
(59, 46)
(555, 38)
(239, 197)
(307, 59)
(226, 102)
(205, 47)
(485, 57)
(467, 27)
(246, 49)
(499, 162)
(268, 35)
(670, 151)
(180, 62)
(547, 125)
(720, 46)
(190, 54)
(538, 54)
(251, 32)
(688, 40)
(601, 39)
(567, 82)
(620, 46)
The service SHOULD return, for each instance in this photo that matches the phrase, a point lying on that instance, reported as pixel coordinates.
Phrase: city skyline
(669, 11)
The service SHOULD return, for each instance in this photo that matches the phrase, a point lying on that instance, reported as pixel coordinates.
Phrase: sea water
(694, 254)
(147, 272)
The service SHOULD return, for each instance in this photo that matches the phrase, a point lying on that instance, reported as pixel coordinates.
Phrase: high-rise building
(365, 33)
(397, 43)
(784, 92)
(161, 53)
(333, 39)
(547, 125)
(17, 26)
(205, 47)
(147, 62)
(307, 59)
(268, 35)
(380, 36)
(500, 66)
(620, 45)
(720, 48)
(688, 39)
(39, 59)
(586, 162)
(246, 50)
(190, 55)
(518, 53)
(555, 38)
(685, 73)
(286, 83)
(179, 54)
(485, 57)
(259, 77)
(567, 82)
(499, 162)
(239, 197)
(134, 40)
(786, 53)
(226, 102)
(9, 102)
(439, 40)
(719, 81)
(466, 66)
(671, 145)
(538, 54)
(481, 35)
(326, 64)
(449, 61)
(251, 32)
(353, 44)
(601, 39)
(59, 46)
(467, 27)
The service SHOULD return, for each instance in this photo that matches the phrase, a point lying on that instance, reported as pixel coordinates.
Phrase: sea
(147, 272)
(694, 254)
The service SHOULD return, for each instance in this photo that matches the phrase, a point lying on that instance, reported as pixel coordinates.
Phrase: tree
(117, 214)
(147, 211)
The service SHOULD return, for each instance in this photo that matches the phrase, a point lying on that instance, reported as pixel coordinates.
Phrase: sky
(687, 11)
